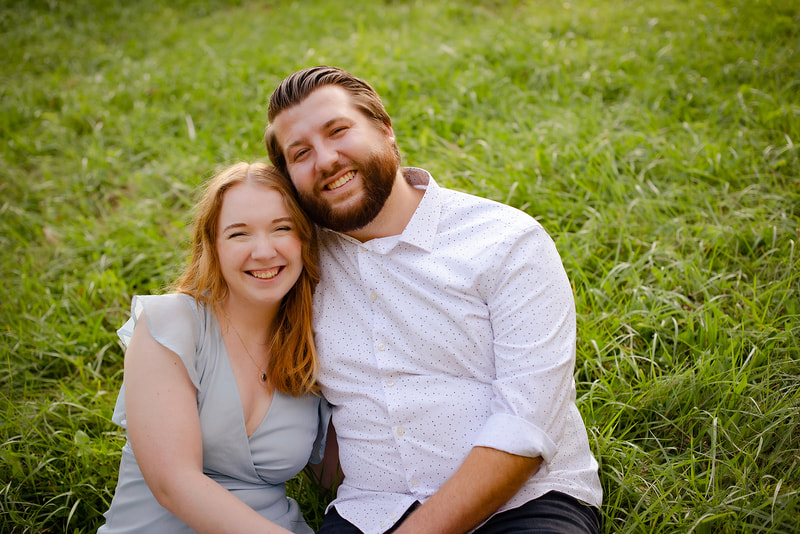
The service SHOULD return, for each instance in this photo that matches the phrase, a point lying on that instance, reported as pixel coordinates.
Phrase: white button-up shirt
(460, 332)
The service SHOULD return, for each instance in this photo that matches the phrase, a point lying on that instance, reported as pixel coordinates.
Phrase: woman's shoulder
(179, 303)
(178, 310)
(180, 323)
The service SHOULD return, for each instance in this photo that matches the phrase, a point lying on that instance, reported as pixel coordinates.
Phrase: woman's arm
(164, 430)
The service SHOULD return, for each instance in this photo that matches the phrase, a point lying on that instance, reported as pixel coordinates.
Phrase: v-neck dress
(253, 468)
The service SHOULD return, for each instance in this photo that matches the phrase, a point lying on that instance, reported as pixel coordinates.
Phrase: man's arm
(533, 320)
(486, 480)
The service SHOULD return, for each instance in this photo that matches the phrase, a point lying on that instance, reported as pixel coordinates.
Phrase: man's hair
(296, 88)
(292, 366)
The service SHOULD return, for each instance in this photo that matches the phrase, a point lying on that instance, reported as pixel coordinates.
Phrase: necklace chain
(262, 375)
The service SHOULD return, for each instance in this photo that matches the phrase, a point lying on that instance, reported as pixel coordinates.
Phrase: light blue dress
(291, 434)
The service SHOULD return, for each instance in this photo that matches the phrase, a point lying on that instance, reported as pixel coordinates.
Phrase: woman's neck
(252, 322)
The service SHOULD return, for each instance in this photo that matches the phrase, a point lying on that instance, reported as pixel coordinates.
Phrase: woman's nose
(263, 248)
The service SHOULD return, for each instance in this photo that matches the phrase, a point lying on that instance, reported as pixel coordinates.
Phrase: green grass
(656, 141)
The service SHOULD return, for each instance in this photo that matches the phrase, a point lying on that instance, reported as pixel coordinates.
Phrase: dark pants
(552, 513)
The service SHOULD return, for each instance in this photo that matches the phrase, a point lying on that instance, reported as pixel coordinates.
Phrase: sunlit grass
(657, 143)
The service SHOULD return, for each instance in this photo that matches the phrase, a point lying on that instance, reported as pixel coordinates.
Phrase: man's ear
(387, 128)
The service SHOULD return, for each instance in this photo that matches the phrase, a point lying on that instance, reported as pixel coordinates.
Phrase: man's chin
(344, 222)
(354, 211)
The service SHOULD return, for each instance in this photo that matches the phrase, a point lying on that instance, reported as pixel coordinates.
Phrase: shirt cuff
(515, 435)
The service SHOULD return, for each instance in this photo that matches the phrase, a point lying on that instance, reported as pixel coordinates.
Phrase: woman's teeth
(266, 275)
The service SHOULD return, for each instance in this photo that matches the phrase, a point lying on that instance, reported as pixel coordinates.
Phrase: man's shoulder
(483, 214)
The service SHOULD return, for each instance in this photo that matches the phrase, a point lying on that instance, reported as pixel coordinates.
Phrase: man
(445, 326)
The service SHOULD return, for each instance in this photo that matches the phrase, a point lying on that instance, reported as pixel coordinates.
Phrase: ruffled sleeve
(174, 321)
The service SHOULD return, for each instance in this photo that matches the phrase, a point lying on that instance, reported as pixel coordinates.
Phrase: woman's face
(259, 250)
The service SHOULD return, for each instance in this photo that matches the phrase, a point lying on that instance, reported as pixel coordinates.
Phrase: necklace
(262, 374)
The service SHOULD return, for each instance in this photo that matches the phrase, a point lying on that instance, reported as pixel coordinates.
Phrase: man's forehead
(321, 108)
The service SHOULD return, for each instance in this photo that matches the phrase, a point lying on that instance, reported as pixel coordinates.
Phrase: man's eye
(299, 154)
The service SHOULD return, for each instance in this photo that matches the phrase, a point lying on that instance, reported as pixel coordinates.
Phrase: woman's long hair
(292, 366)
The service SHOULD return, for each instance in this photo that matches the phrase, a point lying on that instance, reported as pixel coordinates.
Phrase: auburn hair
(292, 367)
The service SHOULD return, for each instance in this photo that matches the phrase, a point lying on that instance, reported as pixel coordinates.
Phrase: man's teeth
(342, 180)
(266, 275)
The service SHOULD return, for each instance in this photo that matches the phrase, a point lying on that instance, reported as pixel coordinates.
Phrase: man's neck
(395, 214)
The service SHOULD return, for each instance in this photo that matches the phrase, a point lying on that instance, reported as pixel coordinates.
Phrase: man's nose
(327, 156)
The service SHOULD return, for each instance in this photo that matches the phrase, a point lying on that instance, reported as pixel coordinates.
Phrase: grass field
(656, 141)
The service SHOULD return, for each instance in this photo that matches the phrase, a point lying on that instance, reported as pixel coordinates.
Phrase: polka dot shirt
(460, 332)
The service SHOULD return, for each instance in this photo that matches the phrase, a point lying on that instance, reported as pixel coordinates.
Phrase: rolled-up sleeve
(532, 312)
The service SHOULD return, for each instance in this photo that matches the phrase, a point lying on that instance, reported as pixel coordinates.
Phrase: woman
(218, 394)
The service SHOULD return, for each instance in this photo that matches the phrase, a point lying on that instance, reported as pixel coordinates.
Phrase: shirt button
(390, 383)
(393, 516)
(373, 297)
(414, 482)
(401, 431)
(381, 346)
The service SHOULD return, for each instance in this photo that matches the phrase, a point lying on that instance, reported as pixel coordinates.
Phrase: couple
(444, 325)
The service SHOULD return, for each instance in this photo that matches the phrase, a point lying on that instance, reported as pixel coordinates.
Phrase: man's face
(342, 164)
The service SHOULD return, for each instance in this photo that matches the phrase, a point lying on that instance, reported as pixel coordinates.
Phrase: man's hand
(486, 480)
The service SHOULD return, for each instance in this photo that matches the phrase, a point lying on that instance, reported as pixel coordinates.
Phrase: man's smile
(343, 179)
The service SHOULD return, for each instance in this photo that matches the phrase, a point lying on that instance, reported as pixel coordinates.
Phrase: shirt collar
(421, 229)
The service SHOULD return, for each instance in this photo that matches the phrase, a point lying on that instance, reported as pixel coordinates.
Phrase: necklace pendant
(263, 377)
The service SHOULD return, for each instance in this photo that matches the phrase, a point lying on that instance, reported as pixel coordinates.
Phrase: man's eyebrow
(293, 144)
(326, 124)
(331, 121)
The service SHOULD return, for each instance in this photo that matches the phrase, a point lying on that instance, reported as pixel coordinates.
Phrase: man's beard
(377, 175)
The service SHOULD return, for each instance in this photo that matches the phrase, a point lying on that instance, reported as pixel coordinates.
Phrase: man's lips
(339, 182)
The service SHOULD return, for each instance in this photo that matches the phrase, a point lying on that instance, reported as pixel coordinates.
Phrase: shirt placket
(394, 392)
